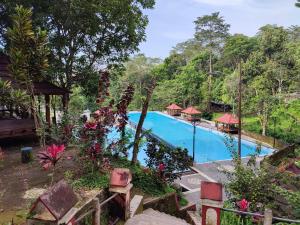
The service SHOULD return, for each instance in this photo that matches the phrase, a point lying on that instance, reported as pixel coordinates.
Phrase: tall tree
(85, 34)
(211, 31)
(28, 53)
(298, 3)
(139, 73)
(261, 100)
(187, 49)
(272, 39)
(238, 47)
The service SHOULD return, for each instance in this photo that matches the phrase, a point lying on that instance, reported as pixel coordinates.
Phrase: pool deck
(212, 171)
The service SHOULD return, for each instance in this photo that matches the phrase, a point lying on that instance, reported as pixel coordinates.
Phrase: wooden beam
(65, 100)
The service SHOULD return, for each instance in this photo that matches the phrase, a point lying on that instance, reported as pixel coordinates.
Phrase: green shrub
(175, 160)
(247, 181)
(91, 181)
(147, 181)
(207, 115)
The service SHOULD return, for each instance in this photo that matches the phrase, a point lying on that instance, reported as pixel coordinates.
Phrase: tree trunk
(36, 118)
(138, 132)
(264, 128)
(209, 82)
(263, 122)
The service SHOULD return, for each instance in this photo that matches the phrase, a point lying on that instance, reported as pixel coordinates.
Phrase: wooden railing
(93, 208)
(268, 216)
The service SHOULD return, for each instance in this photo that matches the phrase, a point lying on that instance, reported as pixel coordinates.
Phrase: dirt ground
(20, 183)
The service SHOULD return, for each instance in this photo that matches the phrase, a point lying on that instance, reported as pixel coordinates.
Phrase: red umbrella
(191, 111)
(174, 107)
(228, 119)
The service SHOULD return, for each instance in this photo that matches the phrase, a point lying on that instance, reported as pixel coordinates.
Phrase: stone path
(153, 217)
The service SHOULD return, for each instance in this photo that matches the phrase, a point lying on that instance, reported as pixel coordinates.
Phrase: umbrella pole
(194, 133)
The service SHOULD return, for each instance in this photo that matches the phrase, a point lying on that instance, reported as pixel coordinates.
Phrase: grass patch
(216, 115)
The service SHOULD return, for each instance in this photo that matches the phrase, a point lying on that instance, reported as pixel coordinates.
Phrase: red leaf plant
(107, 116)
(50, 156)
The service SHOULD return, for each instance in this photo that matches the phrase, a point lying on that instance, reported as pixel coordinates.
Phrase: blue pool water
(209, 144)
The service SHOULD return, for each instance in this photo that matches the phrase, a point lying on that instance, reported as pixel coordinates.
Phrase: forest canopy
(204, 69)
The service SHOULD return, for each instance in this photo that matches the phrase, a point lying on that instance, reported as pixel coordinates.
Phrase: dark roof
(43, 87)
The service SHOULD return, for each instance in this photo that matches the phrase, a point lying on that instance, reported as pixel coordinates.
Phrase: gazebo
(228, 123)
(174, 110)
(191, 114)
(13, 125)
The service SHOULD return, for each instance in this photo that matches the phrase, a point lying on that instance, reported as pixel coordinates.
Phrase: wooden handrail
(107, 200)
(260, 215)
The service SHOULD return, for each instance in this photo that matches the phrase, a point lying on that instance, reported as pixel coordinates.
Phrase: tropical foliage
(28, 54)
(174, 161)
(261, 186)
(204, 69)
(13, 98)
(84, 34)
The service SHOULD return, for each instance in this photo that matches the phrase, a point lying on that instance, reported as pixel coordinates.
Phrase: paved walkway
(212, 171)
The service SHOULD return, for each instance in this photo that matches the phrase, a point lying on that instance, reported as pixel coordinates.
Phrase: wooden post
(96, 217)
(53, 100)
(240, 112)
(47, 105)
(268, 217)
(65, 99)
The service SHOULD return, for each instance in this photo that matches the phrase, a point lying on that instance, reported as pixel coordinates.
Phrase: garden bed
(21, 183)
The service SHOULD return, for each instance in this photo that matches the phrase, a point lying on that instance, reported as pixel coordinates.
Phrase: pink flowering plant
(50, 156)
(243, 205)
(108, 116)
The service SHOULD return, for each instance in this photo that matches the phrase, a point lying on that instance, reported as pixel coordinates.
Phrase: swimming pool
(209, 144)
